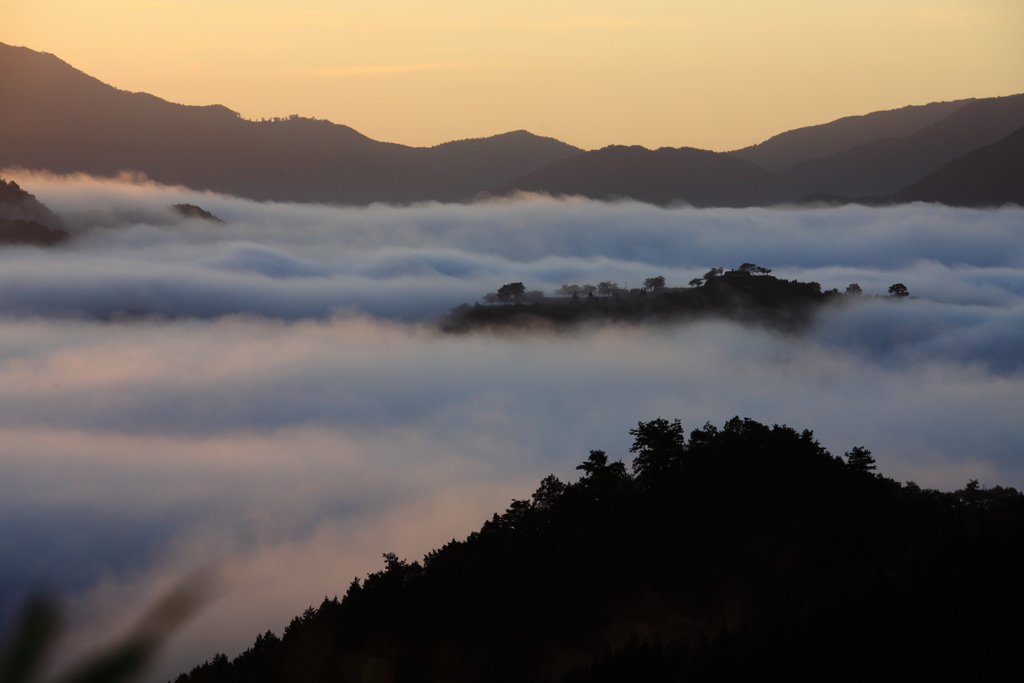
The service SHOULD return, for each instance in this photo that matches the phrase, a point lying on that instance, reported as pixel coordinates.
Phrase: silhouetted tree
(550, 489)
(754, 269)
(898, 290)
(658, 444)
(696, 282)
(601, 477)
(511, 293)
(571, 290)
(854, 289)
(607, 288)
(596, 462)
(652, 283)
(860, 460)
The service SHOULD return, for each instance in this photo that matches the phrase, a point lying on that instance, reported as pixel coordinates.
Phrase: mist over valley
(273, 393)
(278, 349)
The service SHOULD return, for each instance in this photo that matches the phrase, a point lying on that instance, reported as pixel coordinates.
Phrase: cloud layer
(296, 261)
(289, 414)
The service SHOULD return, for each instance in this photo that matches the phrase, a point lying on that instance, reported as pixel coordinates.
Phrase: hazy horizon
(716, 76)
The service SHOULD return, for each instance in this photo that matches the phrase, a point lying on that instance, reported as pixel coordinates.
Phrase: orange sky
(713, 74)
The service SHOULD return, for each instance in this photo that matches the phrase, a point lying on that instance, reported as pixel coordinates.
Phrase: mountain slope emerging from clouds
(806, 565)
(57, 118)
(661, 176)
(886, 166)
(990, 176)
(813, 142)
(26, 220)
(881, 167)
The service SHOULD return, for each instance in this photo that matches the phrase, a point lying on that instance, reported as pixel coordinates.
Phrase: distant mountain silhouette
(193, 211)
(17, 204)
(877, 169)
(57, 118)
(812, 142)
(990, 176)
(26, 220)
(696, 176)
(54, 117)
(20, 231)
(884, 167)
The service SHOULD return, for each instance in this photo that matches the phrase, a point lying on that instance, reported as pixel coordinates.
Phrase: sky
(270, 396)
(718, 75)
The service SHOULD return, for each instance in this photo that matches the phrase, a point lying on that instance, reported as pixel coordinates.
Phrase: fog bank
(271, 397)
(133, 254)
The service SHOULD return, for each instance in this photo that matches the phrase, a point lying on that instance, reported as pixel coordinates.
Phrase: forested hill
(816, 142)
(55, 117)
(876, 168)
(738, 295)
(26, 220)
(990, 176)
(739, 553)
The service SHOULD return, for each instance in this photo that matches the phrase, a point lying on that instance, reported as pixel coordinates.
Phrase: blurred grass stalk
(32, 637)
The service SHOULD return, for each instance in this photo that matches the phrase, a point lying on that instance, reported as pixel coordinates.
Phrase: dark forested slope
(736, 552)
(54, 117)
(26, 220)
(880, 167)
(760, 299)
(813, 142)
(886, 166)
(990, 176)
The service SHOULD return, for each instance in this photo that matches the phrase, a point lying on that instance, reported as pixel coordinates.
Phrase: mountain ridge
(992, 175)
(812, 142)
(878, 169)
(886, 166)
(711, 178)
(58, 118)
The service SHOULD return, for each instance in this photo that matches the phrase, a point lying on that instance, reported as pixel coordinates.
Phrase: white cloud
(257, 427)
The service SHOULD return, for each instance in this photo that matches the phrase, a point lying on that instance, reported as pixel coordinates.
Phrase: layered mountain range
(873, 170)
(54, 117)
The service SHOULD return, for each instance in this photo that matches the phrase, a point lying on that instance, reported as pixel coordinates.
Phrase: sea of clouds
(271, 396)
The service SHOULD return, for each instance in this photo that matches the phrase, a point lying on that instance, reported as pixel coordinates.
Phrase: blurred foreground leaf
(27, 649)
(29, 642)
